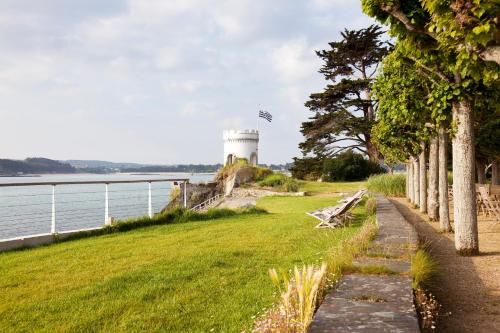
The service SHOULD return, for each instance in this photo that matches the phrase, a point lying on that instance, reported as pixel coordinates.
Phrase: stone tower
(241, 144)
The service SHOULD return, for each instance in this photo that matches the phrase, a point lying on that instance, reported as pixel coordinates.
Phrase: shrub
(281, 182)
(389, 184)
(290, 185)
(274, 180)
(261, 173)
(349, 166)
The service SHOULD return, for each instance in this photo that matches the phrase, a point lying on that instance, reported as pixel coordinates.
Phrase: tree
(457, 41)
(344, 112)
(349, 166)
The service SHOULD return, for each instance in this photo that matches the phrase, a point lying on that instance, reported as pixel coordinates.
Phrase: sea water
(27, 210)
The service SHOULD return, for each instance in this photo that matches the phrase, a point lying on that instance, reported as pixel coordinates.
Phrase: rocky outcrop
(196, 194)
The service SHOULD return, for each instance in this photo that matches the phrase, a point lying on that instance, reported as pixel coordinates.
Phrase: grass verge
(304, 289)
(423, 270)
(195, 276)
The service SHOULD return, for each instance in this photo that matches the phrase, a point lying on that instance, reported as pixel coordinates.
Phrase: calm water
(28, 210)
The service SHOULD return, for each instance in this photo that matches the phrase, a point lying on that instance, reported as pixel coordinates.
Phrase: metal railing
(207, 203)
(26, 207)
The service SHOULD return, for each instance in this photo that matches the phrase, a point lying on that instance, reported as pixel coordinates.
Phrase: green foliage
(290, 185)
(274, 180)
(423, 269)
(349, 166)
(307, 168)
(393, 185)
(261, 173)
(281, 182)
(371, 206)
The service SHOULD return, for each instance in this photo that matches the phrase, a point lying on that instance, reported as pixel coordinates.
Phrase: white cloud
(294, 60)
(189, 86)
(168, 58)
(154, 69)
(197, 109)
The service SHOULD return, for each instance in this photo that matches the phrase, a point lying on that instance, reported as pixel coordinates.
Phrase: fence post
(185, 194)
(53, 224)
(150, 202)
(106, 206)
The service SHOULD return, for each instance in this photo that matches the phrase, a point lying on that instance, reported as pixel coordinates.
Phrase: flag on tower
(266, 115)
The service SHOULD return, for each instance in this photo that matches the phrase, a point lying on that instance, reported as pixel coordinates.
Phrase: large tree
(344, 111)
(456, 40)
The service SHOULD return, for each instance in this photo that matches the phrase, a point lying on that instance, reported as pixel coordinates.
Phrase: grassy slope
(190, 277)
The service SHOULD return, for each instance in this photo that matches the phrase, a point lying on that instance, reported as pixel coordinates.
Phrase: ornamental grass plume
(299, 294)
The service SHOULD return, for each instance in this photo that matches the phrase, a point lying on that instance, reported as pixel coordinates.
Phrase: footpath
(375, 302)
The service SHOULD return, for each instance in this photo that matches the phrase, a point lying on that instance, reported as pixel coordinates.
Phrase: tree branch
(436, 72)
(491, 53)
(395, 11)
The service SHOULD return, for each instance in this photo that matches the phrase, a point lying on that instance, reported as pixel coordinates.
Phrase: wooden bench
(334, 216)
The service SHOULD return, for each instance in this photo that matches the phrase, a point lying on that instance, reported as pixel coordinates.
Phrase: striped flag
(266, 115)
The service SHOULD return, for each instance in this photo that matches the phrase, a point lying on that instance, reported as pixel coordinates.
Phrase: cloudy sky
(156, 81)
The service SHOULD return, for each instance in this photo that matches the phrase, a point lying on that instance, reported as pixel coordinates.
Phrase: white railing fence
(28, 209)
(207, 203)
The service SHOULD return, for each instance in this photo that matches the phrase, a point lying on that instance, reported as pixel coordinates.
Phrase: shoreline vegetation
(40, 166)
(213, 272)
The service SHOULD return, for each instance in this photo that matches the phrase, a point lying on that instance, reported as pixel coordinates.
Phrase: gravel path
(467, 287)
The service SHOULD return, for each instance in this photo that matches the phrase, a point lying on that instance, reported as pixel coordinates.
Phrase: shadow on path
(467, 287)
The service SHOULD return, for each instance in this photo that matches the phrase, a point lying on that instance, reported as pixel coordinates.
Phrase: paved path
(375, 303)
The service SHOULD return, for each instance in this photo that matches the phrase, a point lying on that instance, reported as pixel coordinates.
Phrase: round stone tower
(241, 144)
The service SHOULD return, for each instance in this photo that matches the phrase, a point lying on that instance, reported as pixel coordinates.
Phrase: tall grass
(303, 291)
(423, 269)
(393, 185)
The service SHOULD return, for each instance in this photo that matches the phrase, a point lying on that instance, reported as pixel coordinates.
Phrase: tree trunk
(423, 179)
(432, 204)
(407, 195)
(464, 192)
(495, 172)
(372, 150)
(416, 182)
(444, 213)
(410, 181)
(481, 172)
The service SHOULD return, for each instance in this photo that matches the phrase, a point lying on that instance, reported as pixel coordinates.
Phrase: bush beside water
(393, 185)
(281, 182)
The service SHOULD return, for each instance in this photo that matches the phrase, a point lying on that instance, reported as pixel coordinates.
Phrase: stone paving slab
(375, 303)
(396, 265)
(368, 303)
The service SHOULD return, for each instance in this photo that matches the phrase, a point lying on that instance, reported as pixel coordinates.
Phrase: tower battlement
(241, 144)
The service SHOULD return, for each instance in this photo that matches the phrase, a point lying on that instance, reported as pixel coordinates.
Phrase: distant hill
(85, 164)
(44, 165)
(34, 165)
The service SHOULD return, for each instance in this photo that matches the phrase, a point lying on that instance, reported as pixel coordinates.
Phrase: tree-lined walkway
(375, 303)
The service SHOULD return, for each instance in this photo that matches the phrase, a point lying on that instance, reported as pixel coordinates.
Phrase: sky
(157, 81)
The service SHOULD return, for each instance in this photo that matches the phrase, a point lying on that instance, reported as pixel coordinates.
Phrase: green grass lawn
(326, 187)
(185, 277)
